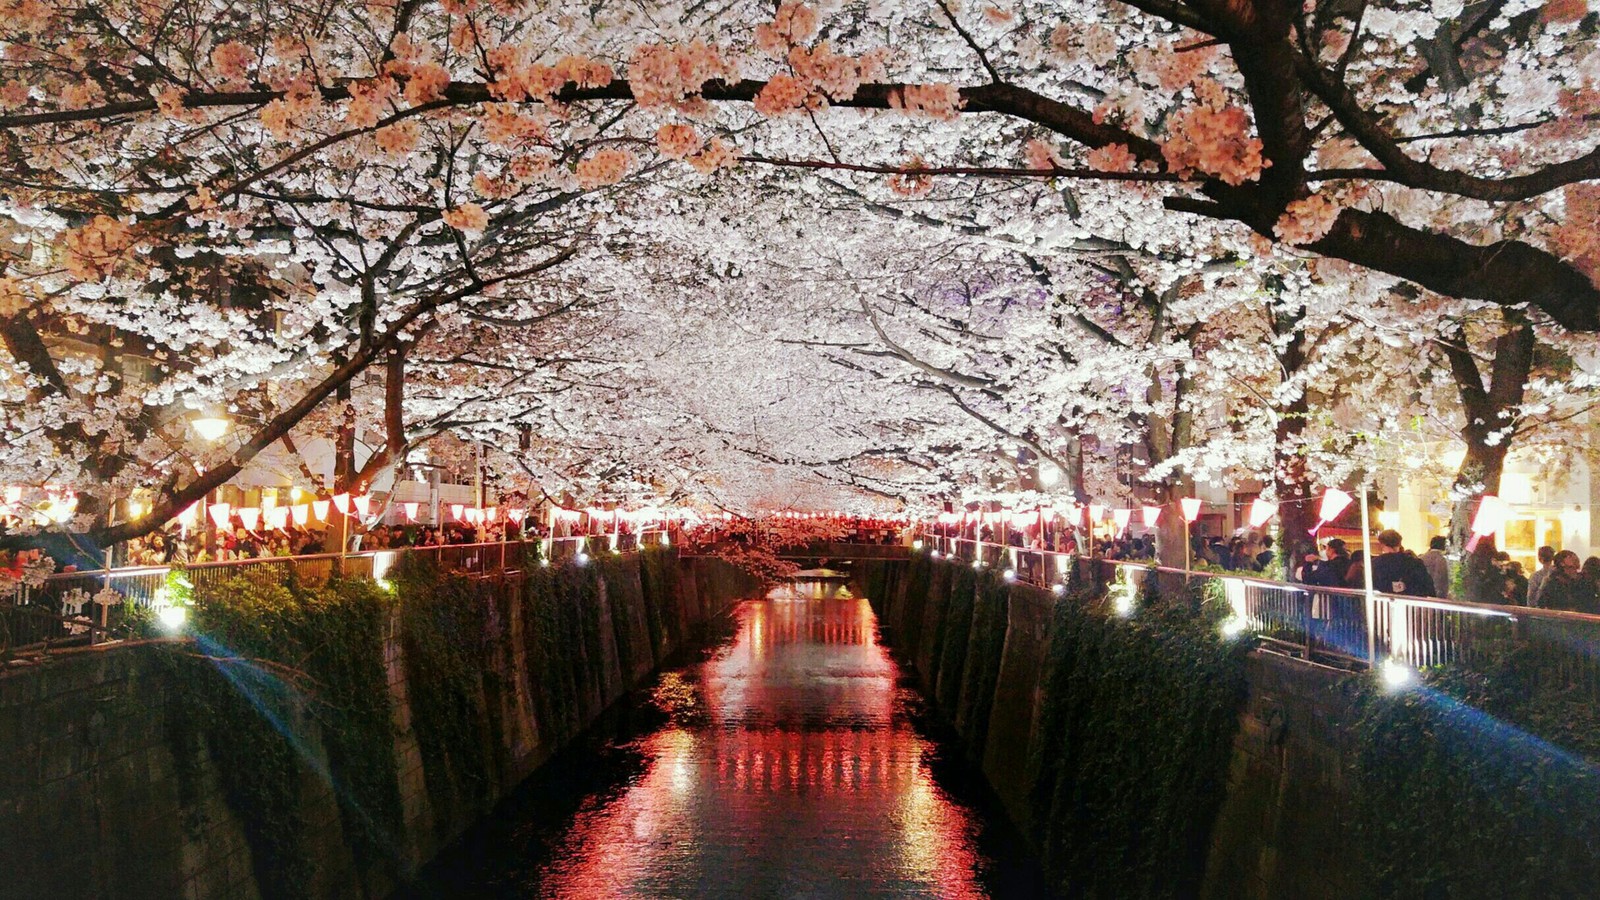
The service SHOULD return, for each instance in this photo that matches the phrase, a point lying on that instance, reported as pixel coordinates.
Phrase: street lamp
(211, 428)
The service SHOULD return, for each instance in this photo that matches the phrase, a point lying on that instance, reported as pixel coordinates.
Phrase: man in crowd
(1547, 559)
(1396, 570)
(1438, 566)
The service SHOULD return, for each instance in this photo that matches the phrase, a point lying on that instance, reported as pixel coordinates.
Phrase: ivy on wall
(1481, 783)
(284, 676)
(450, 626)
(276, 669)
(1135, 736)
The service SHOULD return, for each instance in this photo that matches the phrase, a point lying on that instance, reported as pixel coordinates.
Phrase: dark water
(792, 758)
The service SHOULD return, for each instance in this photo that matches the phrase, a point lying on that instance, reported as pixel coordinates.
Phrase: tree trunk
(1487, 432)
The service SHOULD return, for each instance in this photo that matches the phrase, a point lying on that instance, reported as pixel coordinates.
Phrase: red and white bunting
(219, 513)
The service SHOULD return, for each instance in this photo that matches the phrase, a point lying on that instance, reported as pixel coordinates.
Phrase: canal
(790, 756)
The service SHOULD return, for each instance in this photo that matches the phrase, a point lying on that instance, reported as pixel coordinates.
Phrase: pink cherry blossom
(467, 217)
(677, 141)
(1307, 220)
(604, 167)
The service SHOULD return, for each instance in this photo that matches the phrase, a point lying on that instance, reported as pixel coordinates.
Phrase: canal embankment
(322, 740)
(1145, 754)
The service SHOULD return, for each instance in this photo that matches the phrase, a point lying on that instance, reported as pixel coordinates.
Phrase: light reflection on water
(788, 765)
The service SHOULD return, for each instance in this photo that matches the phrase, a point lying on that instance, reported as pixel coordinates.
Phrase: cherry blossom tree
(266, 203)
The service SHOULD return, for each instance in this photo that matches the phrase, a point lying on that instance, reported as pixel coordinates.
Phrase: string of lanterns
(1492, 514)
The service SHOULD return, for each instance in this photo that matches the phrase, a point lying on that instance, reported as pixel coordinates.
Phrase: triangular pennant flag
(341, 502)
(219, 513)
(363, 505)
(189, 515)
(1152, 515)
(302, 514)
(319, 508)
(410, 510)
(1122, 517)
(516, 514)
(456, 510)
(1261, 511)
(1191, 508)
(278, 517)
(250, 516)
(491, 514)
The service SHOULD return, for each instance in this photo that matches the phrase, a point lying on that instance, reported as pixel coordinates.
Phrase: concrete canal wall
(1265, 770)
(1148, 756)
(137, 771)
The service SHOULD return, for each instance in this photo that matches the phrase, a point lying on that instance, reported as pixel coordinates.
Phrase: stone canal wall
(1147, 756)
(323, 741)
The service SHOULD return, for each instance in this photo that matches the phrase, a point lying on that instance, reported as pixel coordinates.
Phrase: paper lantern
(219, 513)
(1491, 515)
(277, 517)
(516, 514)
(1097, 512)
(301, 513)
(190, 515)
(1122, 517)
(363, 505)
(1152, 515)
(1334, 502)
(250, 517)
(410, 509)
(1191, 508)
(1261, 511)
(456, 511)
(341, 502)
(490, 514)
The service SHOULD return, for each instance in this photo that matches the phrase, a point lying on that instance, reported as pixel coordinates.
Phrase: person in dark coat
(1565, 588)
(1396, 570)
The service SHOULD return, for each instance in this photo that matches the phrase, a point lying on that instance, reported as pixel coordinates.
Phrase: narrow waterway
(790, 757)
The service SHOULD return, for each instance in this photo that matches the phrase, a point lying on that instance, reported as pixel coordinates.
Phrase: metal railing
(1340, 625)
(63, 610)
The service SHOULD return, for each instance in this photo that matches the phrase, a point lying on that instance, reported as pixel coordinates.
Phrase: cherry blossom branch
(1364, 127)
(1084, 174)
(176, 501)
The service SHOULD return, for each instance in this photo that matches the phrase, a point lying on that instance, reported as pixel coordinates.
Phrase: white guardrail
(1342, 625)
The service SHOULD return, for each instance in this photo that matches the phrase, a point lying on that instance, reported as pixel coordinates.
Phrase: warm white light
(1234, 626)
(916, 545)
(62, 510)
(1009, 575)
(211, 428)
(1122, 602)
(1058, 589)
(1389, 518)
(582, 559)
(1049, 474)
(977, 564)
(172, 617)
(934, 554)
(1395, 674)
(382, 561)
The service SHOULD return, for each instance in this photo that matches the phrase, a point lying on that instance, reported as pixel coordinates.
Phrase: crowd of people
(172, 545)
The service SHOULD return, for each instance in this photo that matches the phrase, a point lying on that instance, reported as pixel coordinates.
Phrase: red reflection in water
(807, 780)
